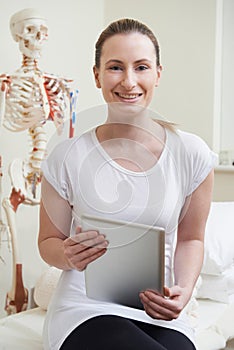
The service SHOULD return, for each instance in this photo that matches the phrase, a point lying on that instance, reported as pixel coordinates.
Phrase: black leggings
(119, 333)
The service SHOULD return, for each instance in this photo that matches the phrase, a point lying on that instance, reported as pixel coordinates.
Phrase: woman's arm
(55, 246)
(188, 256)
(190, 239)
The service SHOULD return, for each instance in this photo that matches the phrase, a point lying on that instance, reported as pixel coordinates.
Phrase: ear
(159, 71)
(96, 77)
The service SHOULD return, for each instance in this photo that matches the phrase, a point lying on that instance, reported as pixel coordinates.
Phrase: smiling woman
(134, 169)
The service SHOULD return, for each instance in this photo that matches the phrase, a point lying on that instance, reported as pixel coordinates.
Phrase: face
(128, 72)
(32, 34)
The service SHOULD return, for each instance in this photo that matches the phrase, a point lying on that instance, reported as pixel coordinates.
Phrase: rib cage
(26, 103)
(32, 99)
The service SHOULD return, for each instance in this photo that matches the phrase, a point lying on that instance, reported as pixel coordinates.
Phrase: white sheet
(23, 331)
(216, 322)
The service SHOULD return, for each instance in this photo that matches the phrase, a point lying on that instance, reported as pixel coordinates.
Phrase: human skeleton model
(29, 98)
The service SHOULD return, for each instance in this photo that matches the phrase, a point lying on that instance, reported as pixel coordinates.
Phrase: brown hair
(125, 26)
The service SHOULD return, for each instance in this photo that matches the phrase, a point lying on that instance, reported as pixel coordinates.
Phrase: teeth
(129, 96)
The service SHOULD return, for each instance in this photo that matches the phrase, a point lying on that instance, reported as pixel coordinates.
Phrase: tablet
(133, 262)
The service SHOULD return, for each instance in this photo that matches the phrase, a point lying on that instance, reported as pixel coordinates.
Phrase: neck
(126, 118)
(29, 64)
(145, 133)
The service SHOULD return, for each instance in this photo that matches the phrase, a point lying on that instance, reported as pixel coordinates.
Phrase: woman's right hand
(83, 248)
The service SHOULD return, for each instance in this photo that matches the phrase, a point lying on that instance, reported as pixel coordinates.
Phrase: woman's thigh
(115, 333)
(169, 338)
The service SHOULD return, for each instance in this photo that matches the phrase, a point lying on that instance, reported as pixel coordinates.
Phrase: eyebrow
(119, 61)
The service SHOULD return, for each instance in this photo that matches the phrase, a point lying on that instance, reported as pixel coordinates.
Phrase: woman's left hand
(165, 307)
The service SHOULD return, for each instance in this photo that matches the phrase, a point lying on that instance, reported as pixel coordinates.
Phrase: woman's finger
(81, 265)
(158, 306)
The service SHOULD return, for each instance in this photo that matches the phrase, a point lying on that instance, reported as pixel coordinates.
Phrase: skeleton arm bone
(17, 296)
(2, 106)
(4, 81)
(58, 93)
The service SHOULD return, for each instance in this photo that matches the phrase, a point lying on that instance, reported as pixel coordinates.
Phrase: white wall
(227, 100)
(69, 52)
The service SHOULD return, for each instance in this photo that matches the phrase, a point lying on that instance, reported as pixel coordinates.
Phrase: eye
(115, 68)
(30, 30)
(142, 67)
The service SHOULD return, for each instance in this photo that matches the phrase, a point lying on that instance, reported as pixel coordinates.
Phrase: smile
(128, 96)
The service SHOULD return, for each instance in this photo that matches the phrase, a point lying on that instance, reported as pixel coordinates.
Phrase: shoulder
(196, 158)
(69, 147)
(64, 161)
(191, 140)
(194, 146)
(67, 153)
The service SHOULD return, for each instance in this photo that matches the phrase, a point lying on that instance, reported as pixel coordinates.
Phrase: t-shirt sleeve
(202, 160)
(54, 169)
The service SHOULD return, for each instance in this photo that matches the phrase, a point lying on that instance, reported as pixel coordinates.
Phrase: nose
(128, 80)
(38, 36)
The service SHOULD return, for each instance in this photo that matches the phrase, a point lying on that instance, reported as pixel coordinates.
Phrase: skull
(30, 30)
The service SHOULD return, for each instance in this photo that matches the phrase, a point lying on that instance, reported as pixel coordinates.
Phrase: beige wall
(186, 30)
(224, 186)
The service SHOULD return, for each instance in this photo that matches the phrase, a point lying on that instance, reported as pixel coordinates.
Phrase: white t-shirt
(82, 172)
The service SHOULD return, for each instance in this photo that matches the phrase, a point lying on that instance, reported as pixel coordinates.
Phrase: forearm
(55, 223)
(191, 229)
(52, 252)
(188, 263)
(2, 105)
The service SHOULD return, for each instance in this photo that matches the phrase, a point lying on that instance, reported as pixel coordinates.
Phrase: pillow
(45, 286)
(219, 288)
(219, 238)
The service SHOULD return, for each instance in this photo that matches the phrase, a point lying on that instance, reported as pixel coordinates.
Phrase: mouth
(128, 97)
(32, 46)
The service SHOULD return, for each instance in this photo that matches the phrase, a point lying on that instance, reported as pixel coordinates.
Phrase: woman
(131, 168)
